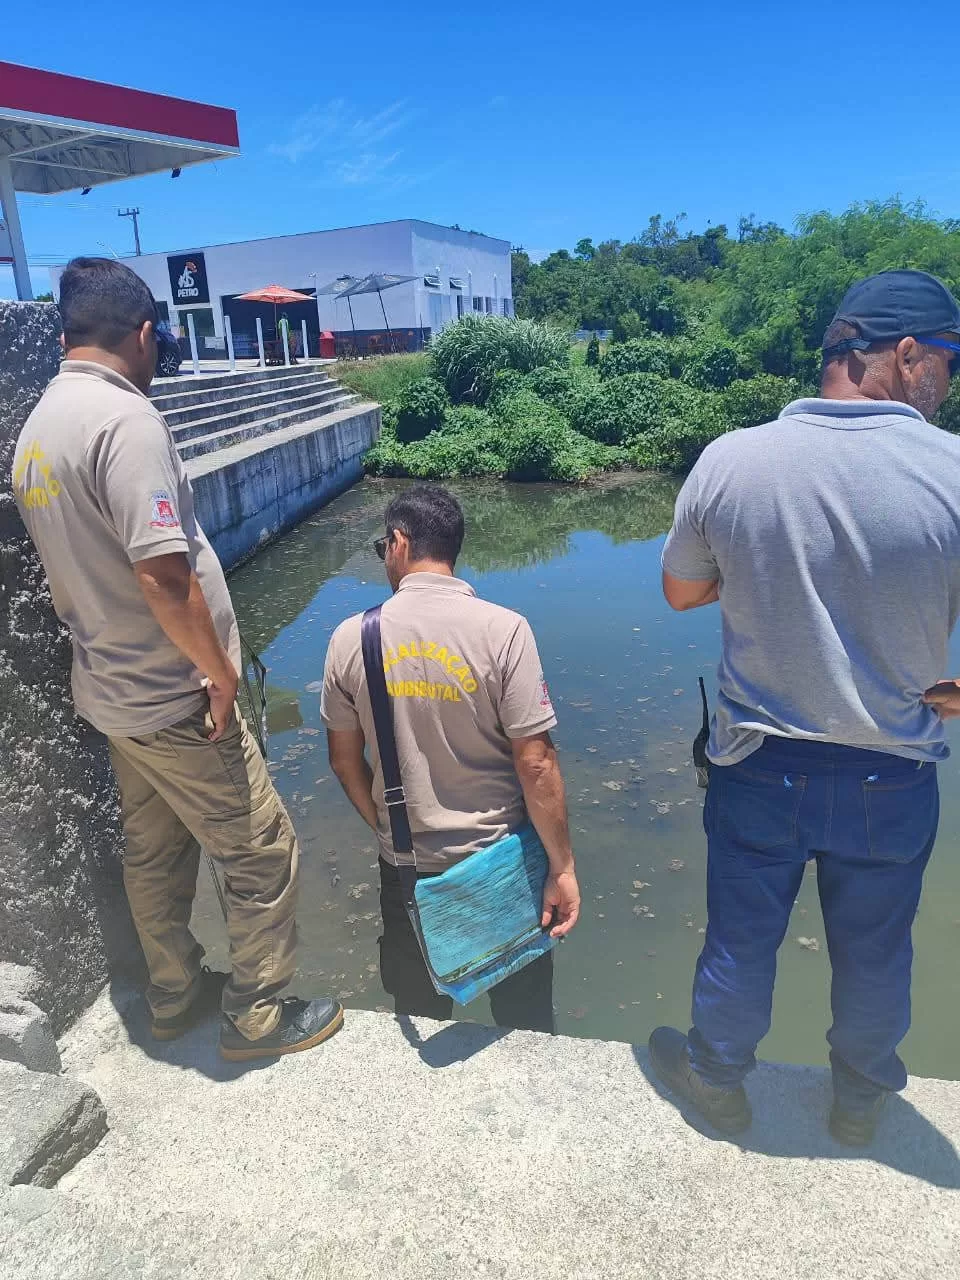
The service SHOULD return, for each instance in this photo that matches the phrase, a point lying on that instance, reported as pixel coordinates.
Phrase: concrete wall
(62, 907)
(247, 495)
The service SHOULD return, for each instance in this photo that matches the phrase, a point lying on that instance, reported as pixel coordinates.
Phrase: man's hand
(561, 897)
(222, 700)
(944, 697)
(173, 592)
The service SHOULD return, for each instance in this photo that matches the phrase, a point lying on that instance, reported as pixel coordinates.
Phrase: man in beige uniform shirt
(105, 498)
(472, 718)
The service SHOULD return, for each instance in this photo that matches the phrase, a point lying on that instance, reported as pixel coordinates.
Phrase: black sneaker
(209, 992)
(726, 1109)
(856, 1128)
(303, 1024)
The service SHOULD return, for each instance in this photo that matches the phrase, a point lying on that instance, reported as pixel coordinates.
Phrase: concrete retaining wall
(62, 907)
(251, 493)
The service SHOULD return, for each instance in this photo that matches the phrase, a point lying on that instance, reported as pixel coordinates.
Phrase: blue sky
(537, 122)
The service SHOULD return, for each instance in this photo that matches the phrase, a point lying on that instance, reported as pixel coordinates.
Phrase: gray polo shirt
(835, 535)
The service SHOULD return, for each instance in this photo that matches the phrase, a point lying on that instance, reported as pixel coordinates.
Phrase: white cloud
(346, 143)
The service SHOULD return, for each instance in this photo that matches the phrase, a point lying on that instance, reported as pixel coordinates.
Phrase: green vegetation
(711, 332)
(382, 379)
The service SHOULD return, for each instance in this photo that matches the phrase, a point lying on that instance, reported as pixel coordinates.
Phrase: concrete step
(223, 378)
(180, 393)
(311, 414)
(216, 416)
(202, 463)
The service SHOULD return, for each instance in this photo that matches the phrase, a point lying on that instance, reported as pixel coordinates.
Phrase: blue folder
(479, 921)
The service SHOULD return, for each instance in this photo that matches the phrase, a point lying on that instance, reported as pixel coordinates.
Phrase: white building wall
(482, 262)
(314, 259)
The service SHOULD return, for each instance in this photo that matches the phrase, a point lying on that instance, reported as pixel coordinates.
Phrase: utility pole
(134, 214)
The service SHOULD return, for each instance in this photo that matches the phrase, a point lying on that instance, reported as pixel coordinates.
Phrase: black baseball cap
(894, 305)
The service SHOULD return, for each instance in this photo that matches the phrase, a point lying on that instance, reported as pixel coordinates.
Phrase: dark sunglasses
(947, 346)
(381, 544)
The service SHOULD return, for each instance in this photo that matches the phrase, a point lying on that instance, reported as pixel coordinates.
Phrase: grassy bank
(513, 399)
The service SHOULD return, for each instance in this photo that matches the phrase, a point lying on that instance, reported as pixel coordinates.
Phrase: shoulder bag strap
(393, 794)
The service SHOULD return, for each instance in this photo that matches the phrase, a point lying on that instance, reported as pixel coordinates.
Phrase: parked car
(169, 355)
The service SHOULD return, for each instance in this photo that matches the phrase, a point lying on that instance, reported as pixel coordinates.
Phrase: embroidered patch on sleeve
(545, 694)
(164, 513)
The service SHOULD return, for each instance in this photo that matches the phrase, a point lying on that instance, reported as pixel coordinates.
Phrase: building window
(456, 283)
(163, 311)
(489, 306)
(478, 304)
(459, 298)
(508, 306)
(432, 282)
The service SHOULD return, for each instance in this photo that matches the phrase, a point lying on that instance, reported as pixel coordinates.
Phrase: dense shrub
(537, 442)
(420, 409)
(675, 445)
(463, 419)
(593, 352)
(949, 415)
(750, 401)
(638, 355)
(712, 366)
(622, 408)
(468, 355)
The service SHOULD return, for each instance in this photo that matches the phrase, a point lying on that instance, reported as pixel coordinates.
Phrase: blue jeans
(870, 820)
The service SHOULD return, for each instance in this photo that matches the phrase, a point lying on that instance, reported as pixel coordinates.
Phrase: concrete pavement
(415, 1149)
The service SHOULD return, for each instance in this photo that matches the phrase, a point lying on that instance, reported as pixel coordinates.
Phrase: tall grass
(468, 355)
(383, 378)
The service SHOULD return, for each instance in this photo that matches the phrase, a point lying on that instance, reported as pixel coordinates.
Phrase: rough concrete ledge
(409, 1149)
(50, 1122)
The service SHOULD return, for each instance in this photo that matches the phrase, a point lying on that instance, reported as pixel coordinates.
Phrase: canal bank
(413, 1150)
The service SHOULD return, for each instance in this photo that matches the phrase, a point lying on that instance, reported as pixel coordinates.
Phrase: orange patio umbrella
(277, 294)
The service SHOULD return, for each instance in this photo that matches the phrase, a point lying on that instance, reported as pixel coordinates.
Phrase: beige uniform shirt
(464, 677)
(100, 486)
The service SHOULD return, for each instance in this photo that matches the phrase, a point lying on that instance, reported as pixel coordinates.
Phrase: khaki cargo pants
(179, 791)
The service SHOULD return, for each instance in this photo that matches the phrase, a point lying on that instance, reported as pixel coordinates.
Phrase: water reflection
(583, 565)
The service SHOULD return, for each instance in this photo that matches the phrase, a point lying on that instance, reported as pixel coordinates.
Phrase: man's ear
(908, 354)
(145, 334)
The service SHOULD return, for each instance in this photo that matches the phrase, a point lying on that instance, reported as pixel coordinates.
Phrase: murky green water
(583, 565)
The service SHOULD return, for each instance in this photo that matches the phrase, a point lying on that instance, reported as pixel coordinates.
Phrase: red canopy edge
(52, 96)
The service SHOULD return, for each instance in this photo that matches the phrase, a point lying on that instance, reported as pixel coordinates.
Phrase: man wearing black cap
(831, 539)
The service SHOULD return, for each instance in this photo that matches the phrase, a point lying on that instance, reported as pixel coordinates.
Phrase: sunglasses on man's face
(946, 346)
(381, 544)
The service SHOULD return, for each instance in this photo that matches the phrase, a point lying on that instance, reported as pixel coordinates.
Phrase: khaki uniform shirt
(100, 486)
(464, 678)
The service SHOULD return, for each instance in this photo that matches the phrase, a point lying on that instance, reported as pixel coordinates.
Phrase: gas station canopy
(62, 133)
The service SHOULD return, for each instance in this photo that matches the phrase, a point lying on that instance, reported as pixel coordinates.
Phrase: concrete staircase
(208, 414)
(264, 448)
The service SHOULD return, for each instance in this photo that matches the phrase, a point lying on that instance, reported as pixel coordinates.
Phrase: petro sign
(188, 279)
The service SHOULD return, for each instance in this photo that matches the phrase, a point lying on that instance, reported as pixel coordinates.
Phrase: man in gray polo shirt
(831, 539)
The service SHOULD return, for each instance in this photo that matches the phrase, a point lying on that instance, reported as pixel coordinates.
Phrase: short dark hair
(101, 302)
(432, 519)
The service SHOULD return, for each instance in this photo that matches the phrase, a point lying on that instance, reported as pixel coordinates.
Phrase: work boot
(726, 1109)
(856, 1128)
(208, 994)
(303, 1024)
